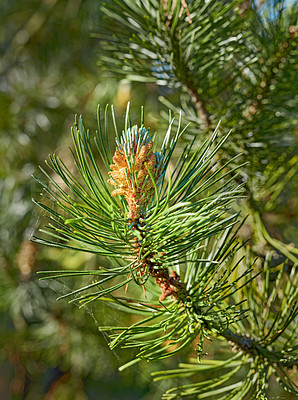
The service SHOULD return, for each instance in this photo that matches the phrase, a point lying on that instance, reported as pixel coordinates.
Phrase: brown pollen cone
(131, 177)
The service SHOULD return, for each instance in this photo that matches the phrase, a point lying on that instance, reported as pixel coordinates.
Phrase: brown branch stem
(199, 105)
(169, 283)
(253, 346)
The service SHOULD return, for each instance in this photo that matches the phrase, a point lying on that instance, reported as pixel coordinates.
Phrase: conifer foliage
(172, 230)
(165, 211)
(223, 60)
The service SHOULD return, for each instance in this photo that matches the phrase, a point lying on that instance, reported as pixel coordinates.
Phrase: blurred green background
(48, 72)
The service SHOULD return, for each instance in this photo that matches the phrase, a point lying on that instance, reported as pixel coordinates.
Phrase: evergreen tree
(163, 212)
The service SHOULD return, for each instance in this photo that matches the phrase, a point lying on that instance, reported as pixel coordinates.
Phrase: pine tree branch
(252, 346)
(275, 243)
(199, 105)
(181, 70)
(149, 224)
